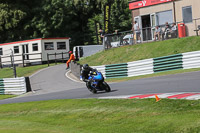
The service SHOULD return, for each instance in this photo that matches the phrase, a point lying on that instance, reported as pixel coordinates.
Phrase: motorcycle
(97, 83)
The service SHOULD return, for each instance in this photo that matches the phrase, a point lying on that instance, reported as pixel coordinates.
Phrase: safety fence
(191, 60)
(15, 86)
(141, 67)
(116, 70)
(166, 63)
(148, 34)
(23, 59)
(58, 57)
(149, 66)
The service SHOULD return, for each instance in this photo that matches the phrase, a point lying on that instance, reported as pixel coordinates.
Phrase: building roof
(31, 40)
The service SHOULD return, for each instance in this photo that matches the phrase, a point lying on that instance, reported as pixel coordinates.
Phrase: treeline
(27, 19)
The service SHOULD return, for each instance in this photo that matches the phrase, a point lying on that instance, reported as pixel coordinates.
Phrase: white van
(84, 51)
(128, 39)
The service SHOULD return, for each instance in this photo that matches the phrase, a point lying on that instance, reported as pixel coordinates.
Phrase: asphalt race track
(51, 83)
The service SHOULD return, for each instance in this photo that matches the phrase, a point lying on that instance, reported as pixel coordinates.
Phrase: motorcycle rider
(85, 74)
(96, 82)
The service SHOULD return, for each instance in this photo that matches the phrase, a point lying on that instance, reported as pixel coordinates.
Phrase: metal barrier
(147, 34)
(141, 67)
(149, 66)
(24, 59)
(35, 58)
(15, 86)
(191, 60)
(116, 70)
(166, 63)
(57, 58)
(100, 69)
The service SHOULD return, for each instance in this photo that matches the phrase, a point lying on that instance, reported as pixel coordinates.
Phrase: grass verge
(21, 71)
(143, 51)
(101, 116)
(6, 96)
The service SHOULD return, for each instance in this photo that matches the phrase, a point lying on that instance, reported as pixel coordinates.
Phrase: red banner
(144, 3)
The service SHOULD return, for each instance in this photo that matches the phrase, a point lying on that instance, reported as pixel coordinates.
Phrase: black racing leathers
(85, 74)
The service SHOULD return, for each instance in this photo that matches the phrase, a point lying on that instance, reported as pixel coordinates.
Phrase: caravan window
(165, 16)
(16, 49)
(187, 14)
(61, 45)
(35, 46)
(48, 46)
(1, 51)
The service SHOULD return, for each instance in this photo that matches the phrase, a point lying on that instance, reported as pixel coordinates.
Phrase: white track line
(67, 75)
(163, 95)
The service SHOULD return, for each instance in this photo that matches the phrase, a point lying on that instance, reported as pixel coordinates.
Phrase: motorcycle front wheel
(90, 88)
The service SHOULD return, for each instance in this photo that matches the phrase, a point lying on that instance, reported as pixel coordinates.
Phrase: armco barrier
(141, 67)
(100, 69)
(116, 70)
(166, 63)
(191, 60)
(15, 86)
(149, 66)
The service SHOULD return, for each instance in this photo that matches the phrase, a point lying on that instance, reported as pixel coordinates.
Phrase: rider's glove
(86, 80)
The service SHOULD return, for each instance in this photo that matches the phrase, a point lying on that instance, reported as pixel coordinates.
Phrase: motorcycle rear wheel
(106, 87)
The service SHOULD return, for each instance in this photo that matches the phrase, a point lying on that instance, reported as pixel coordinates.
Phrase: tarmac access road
(51, 83)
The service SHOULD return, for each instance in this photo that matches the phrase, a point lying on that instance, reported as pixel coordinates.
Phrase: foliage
(6, 96)
(24, 19)
(11, 16)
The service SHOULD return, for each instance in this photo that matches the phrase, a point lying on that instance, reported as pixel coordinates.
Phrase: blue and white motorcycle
(97, 83)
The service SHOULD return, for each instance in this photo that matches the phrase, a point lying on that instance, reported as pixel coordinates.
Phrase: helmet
(85, 66)
(70, 52)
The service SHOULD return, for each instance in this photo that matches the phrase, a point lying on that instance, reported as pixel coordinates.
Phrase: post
(41, 57)
(23, 59)
(147, 34)
(48, 59)
(0, 63)
(55, 59)
(174, 8)
(28, 85)
(62, 57)
(12, 63)
(104, 45)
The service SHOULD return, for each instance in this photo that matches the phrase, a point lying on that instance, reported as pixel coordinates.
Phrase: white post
(13, 63)
(104, 44)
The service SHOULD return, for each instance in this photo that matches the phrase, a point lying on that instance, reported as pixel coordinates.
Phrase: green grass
(143, 51)
(101, 116)
(6, 96)
(21, 71)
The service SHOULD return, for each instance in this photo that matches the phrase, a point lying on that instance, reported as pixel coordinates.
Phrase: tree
(120, 17)
(25, 19)
(10, 18)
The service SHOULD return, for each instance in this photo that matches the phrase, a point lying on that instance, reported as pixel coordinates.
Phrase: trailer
(84, 51)
(34, 50)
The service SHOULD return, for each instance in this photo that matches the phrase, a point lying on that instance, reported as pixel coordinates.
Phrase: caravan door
(139, 21)
(25, 51)
(153, 24)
